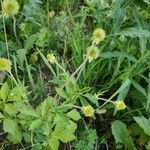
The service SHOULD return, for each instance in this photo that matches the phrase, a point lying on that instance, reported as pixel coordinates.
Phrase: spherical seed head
(51, 58)
(92, 53)
(10, 7)
(34, 57)
(88, 111)
(120, 105)
(51, 14)
(98, 35)
(5, 64)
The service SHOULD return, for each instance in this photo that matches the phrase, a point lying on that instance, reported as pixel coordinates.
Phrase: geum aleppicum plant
(6, 66)
(9, 9)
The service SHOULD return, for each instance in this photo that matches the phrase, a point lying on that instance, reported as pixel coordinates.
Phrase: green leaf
(118, 17)
(21, 55)
(46, 62)
(15, 138)
(17, 93)
(4, 91)
(73, 114)
(143, 43)
(144, 124)
(35, 124)
(147, 1)
(122, 94)
(61, 92)
(92, 98)
(45, 107)
(10, 109)
(30, 41)
(64, 131)
(121, 134)
(9, 126)
(1, 116)
(148, 145)
(135, 129)
(118, 54)
(54, 143)
(66, 136)
(86, 140)
(26, 110)
(125, 84)
(135, 32)
(139, 87)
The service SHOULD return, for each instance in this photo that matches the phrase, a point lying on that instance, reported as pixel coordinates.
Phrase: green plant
(74, 74)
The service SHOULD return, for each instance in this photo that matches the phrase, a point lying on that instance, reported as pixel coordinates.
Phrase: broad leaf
(26, 110)
(66, 136)
(144, 124)
(135, 32)
(11, 127)
(73, 114)
(121, 134)
(54, 143)
(35, 124)
(4, 91)
(10, 109)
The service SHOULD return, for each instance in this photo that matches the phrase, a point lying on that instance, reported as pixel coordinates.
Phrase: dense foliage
(75, 74)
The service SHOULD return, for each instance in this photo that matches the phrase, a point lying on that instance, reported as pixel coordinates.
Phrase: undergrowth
(75, 75)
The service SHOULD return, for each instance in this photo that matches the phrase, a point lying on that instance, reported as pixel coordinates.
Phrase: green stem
(14, 28)
(19, 90)
(81, 67)
(60, 67)
(6, 41)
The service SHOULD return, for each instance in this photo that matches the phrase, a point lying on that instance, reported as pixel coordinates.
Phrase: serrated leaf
(73, 114)
(35, 124)
(9, 126)
(118, 17)
(144, 124)
(1, 116)
(45, 107)
(121, 134)
(135, 32)
(15, 138)
(17, 93)
(116, 54)
(64, 131)
(30, 41)
(10, 109)
(86, 140)
(26, 110)
(66, 136)
(54, 143)
(61, 92)
(4, 91)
